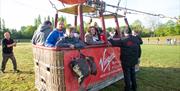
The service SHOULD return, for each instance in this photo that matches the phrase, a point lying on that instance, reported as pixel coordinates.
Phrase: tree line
(169, 28)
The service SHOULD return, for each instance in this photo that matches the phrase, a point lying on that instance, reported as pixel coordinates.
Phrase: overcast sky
(17, 13)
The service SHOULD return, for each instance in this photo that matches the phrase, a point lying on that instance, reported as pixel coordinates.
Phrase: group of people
(61, 37)
(170, 41)
(46, 36)
(129, 44)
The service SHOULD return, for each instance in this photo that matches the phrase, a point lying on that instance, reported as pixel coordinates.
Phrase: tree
(1, 30)
(144, 32)
(63, 19)
(109, 29)
(0, 23)
(153, 22)
(178, 21)
(137, 26)
(160, 30)
(3, 25)
(13, 33)
(177, 28)
(170, 28)
(29, 31)
(48, 18)
(52, 20)
(37, 21)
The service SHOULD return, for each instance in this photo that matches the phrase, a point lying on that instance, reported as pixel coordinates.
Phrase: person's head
(60, 25)
(7, 35)
(70, 32)
(92, 30)
(127, 32)
(48, 23)
(95, 24)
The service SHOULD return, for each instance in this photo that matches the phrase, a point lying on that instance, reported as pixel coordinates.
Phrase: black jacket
(7, 50)
(129, 49)
(141, 42)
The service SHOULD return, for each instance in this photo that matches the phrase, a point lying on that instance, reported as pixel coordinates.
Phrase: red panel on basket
(107, 63)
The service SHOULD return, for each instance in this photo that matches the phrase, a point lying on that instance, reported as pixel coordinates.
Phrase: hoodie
(41, 34)
(53, 37)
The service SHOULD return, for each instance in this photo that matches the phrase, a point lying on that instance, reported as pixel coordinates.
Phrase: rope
(127, 9)
(118, 5)
(53, 5)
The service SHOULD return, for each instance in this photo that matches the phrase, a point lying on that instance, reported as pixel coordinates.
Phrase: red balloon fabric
(72, 1)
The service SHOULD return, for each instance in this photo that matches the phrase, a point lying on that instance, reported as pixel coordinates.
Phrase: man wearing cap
(7, 52)
(42, 33)
(129, 58)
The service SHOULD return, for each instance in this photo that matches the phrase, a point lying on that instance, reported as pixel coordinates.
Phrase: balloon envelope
(72, 1)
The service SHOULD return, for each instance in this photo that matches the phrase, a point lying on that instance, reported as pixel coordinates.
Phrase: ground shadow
(20, 72)
(153, 79)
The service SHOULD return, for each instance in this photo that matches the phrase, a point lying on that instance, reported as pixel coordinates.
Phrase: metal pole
(75, 21)
(81, 22)
(117, 25)
(127, 24)
(103, 25)
(122, 8)
(56, 20)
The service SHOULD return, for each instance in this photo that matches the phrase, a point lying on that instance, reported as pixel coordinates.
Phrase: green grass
(160, 70)
(23, 81)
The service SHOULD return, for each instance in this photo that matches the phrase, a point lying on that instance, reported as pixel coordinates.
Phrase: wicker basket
(49, 69)
(53, 73)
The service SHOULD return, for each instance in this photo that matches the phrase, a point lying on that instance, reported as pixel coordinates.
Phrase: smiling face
(93, 31)
(60, 25)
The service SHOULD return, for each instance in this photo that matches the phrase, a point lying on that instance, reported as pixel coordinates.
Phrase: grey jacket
(41, 34)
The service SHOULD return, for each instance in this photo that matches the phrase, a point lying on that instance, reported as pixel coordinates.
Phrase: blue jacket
(53, 37)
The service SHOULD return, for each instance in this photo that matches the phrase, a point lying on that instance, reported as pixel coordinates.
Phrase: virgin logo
(106, 60)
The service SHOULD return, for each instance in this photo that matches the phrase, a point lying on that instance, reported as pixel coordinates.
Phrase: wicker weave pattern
(49, 69)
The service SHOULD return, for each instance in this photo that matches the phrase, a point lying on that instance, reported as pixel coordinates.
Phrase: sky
(17, 13)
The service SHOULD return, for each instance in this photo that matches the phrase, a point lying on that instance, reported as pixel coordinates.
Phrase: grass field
(162, 40)
(160, 70)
